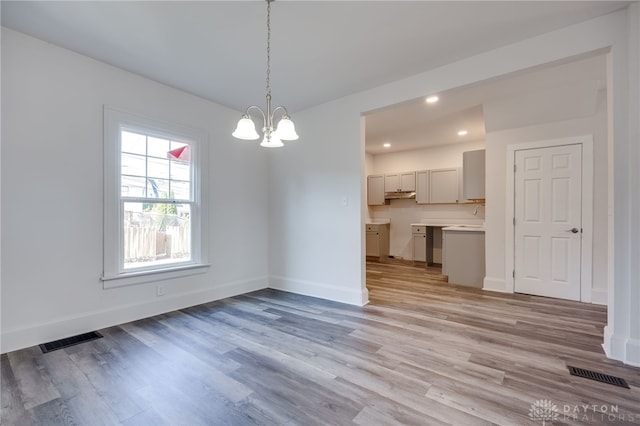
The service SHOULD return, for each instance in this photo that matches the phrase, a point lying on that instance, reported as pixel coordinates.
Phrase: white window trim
(113, 273)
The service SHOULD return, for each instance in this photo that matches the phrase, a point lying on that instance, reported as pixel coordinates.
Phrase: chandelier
(285, 130)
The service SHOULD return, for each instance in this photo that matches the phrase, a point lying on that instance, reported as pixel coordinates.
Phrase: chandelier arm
(284, 114)
(264, 117)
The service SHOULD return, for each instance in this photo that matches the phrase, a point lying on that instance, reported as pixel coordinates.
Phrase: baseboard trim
(320, 290)
(632, 352)
(599, 296)
(32, 335)
(494, 284)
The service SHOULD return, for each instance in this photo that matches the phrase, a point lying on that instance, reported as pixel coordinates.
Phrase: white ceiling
(321, 50)
(565, 89)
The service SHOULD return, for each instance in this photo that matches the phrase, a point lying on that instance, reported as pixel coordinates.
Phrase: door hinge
(514, 273)
(514, 221)
(514, 168)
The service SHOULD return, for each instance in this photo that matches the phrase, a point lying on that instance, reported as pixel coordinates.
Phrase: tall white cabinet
(473, 164)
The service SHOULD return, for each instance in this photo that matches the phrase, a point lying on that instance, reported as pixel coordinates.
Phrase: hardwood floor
(422, 352)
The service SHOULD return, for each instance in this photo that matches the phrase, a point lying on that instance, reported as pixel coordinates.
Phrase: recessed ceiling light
(462, 132)
(432, 99)
(387, 145)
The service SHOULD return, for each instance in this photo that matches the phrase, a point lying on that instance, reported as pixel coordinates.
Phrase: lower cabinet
(377, 240)
(419, 234)
(463, 257)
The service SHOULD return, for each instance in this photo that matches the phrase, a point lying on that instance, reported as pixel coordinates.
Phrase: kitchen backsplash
(402, 213)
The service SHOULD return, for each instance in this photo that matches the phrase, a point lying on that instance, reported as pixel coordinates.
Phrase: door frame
(586, 256)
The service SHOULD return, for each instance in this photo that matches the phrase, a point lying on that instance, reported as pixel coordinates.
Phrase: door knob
(574, 230)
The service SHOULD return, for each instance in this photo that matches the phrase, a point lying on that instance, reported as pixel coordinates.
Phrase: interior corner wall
(622, 333)
(52, 203)
(316, 242)
(315, 207)
(632, 351)
(497, 143)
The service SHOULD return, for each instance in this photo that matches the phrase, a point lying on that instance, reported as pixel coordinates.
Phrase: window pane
(157, 147)
(156, 234)
(133, 165)
(133, 143)
(180, 170)
(158, 168)
(180, 190)
(157, 188)
(132, 186)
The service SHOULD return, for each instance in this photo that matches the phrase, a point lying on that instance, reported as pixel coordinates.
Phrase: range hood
(400, 195)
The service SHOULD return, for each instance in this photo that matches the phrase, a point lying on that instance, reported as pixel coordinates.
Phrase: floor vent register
(69, 341)
(600, 377)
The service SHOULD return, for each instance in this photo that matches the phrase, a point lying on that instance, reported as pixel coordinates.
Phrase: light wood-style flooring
(422, 352)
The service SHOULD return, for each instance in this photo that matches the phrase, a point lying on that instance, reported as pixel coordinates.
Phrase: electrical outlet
(160, 290)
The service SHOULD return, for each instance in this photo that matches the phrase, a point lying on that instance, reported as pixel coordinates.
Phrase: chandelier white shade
(246, 129)
(285, 130)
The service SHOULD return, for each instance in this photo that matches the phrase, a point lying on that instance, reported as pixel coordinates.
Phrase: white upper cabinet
(400, 182)
(392, 182)
(408, 181)
(444, 186)
(375, 190)
(422, 187)
(473, 166)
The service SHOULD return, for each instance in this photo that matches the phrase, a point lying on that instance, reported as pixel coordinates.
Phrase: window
(153, 199)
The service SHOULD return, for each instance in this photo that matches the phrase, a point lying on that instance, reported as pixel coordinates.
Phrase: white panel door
(548, 221)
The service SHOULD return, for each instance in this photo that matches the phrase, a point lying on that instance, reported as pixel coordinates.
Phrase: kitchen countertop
(378, 222)
(447, 224)
(465, 228)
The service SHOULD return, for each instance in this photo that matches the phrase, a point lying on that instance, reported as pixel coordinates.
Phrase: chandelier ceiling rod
(285, 130)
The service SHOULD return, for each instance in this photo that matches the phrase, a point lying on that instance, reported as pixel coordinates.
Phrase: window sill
(139, 277)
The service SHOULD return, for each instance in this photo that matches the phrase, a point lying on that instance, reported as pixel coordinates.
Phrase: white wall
(436, 157)
(631, 352)
(315, 240)
(497, 142)
(52, 204)
(402, 213)
(336, 159)
(622, 333)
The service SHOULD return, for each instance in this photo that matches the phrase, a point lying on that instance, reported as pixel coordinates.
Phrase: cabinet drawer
(373, 228)
(418, 229)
